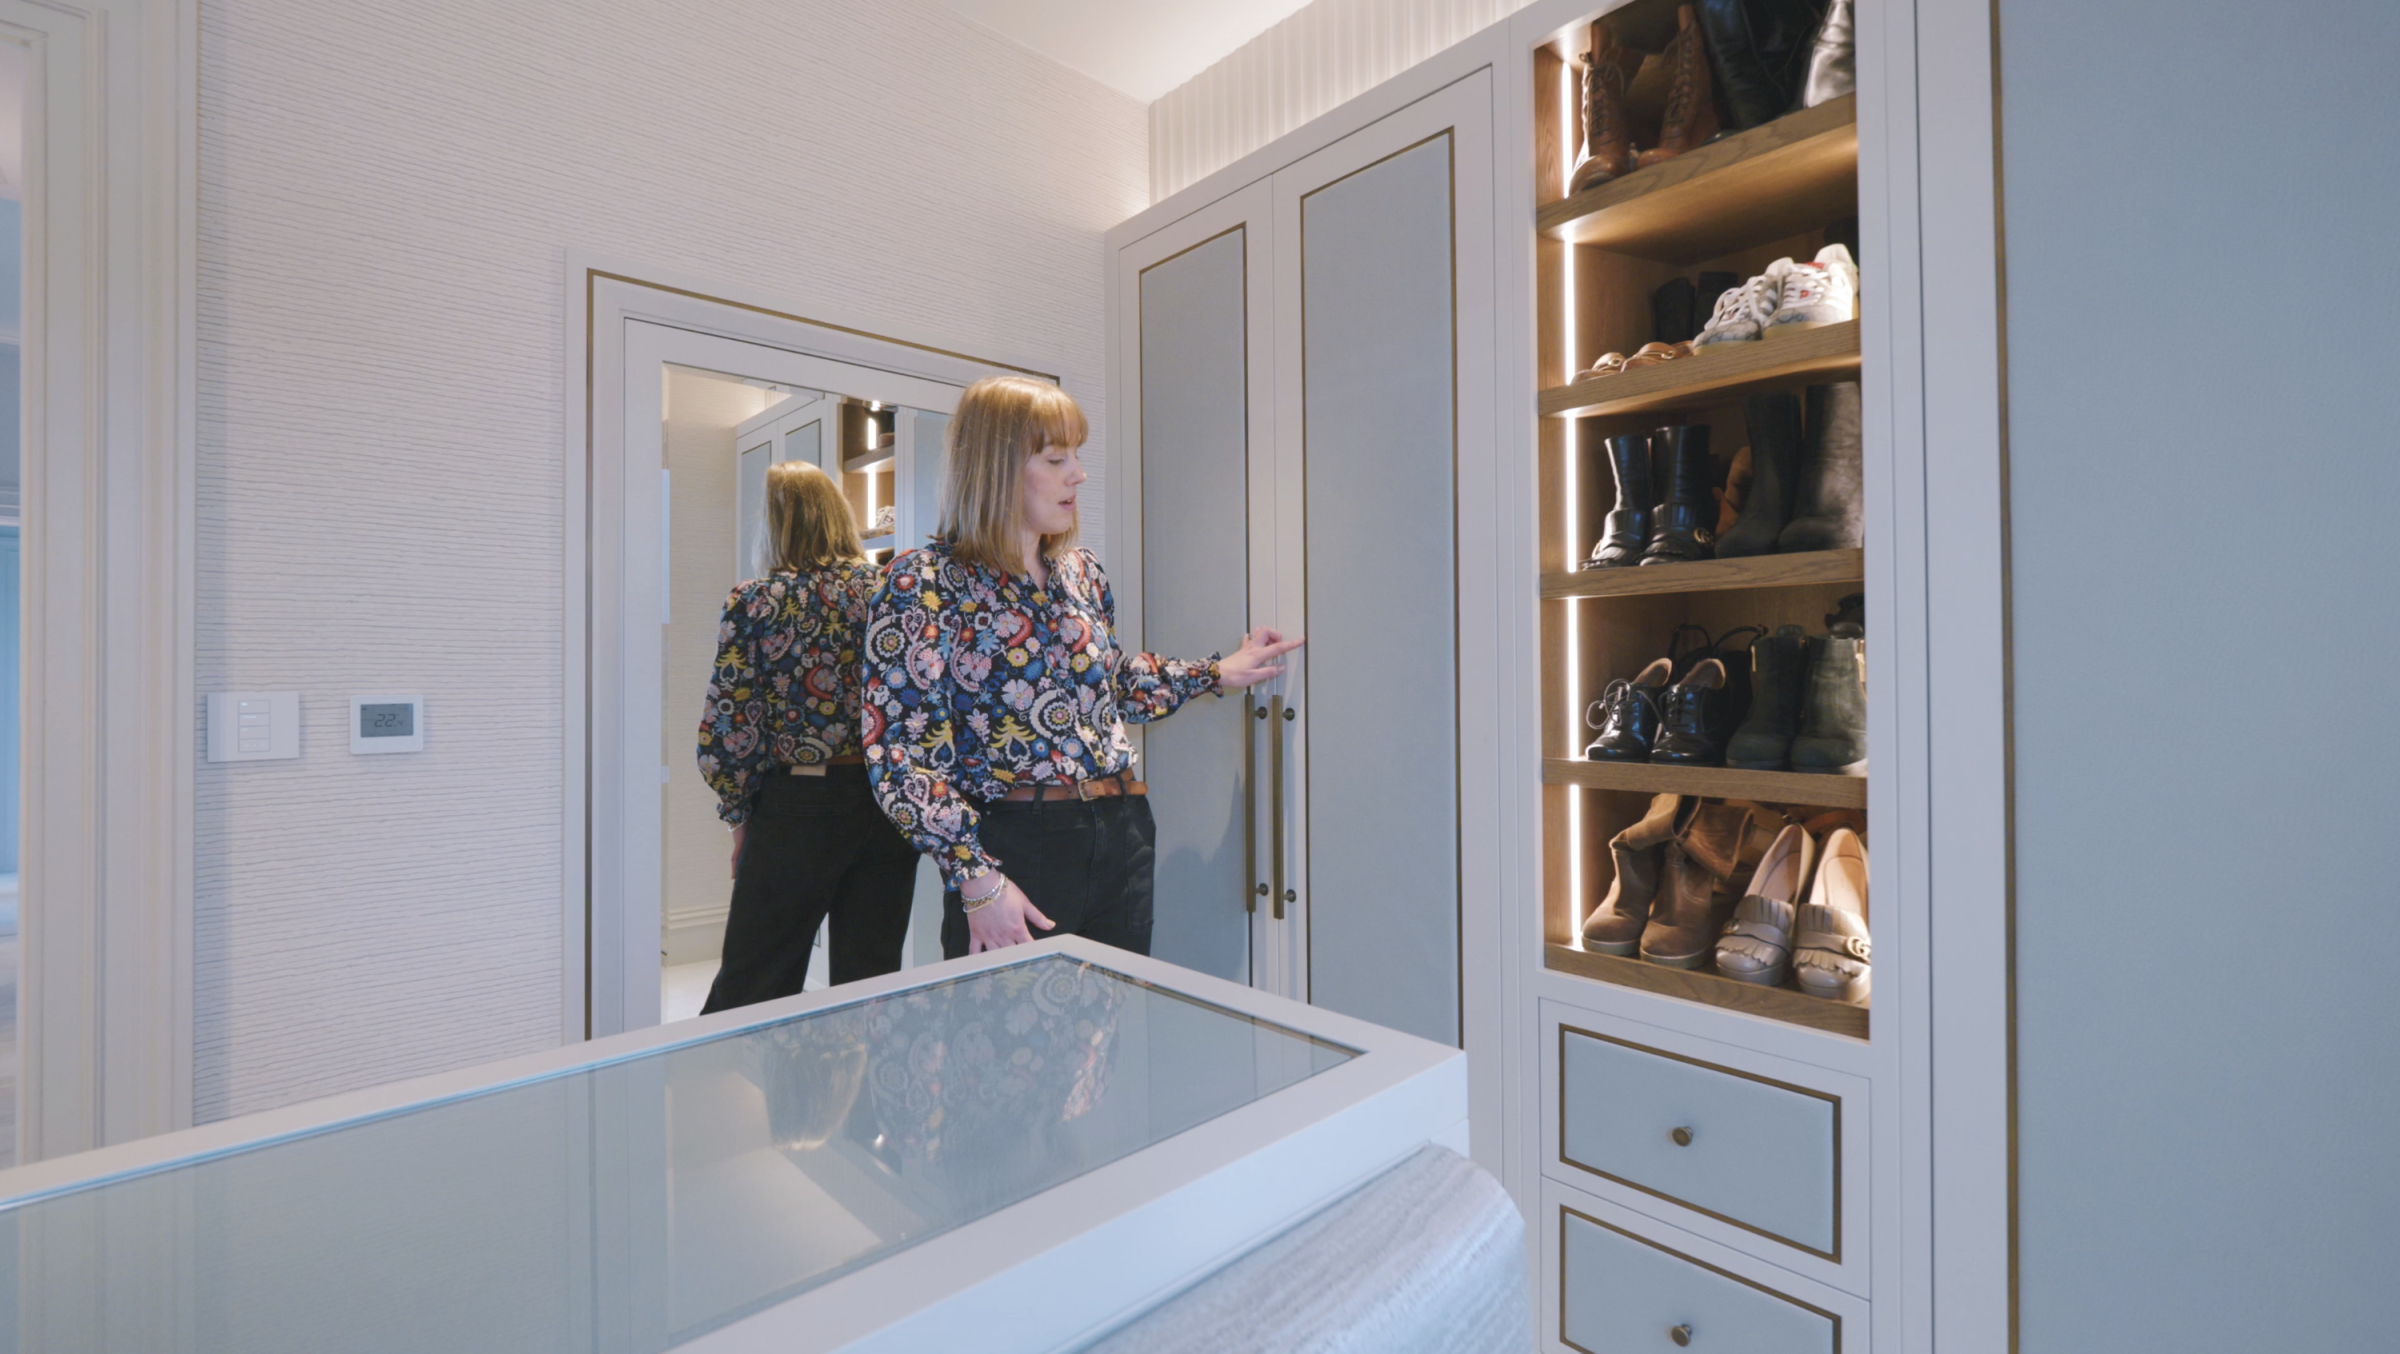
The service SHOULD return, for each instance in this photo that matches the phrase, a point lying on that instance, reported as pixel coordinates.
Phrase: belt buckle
(1083, 791)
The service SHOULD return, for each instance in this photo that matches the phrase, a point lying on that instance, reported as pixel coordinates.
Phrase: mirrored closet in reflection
(721, 434)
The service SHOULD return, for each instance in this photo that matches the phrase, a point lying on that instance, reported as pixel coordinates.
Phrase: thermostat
(387, 724)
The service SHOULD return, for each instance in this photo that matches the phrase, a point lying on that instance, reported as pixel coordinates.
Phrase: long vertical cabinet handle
(1258, 715)
(1275, 724)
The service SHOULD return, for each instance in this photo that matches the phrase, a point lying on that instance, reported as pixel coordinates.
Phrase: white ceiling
(1141, 47)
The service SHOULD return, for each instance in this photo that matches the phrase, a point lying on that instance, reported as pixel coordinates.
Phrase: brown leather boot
(1688, 915)
(1607, 135)
(1617, 927)
(1692, 101)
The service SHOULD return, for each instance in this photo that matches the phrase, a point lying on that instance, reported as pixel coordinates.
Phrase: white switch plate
(253, 726)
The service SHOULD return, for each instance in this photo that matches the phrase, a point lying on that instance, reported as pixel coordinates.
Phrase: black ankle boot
(1627, 531)
(1833, 735)
(1778, 678)
(1627, 716)
(1827, 513)
(1761, 49)
(1683, 525)
(1691, 729)
(1774, 473)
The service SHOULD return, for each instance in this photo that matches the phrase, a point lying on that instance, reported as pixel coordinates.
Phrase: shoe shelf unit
(1733, 205)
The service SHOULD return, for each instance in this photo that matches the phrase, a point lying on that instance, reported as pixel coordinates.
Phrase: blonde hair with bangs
(809, 522)
(1002, 422)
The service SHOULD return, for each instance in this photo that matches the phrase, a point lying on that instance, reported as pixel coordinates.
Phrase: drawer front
(1760, 1154)
(1619, 1294)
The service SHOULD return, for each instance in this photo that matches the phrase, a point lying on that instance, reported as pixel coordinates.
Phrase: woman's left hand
(1254, 662)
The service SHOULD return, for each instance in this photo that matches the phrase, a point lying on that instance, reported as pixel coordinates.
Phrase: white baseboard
(696, 936)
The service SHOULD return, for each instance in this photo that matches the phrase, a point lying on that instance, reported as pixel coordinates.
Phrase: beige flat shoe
(1608, 365)
(1830, 948)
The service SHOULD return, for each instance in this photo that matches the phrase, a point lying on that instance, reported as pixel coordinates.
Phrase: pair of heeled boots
(1804, 914)
(1680, 710)
(1765, 57)
(1691, 115)
(1806, 474)
(1808, 700)
(1671, 867)
(1665, 512)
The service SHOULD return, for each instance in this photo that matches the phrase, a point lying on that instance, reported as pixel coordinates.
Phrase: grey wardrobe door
(1194, 505)
(1380, 553)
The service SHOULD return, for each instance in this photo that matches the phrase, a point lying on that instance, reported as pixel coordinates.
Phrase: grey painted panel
(1381, 556)
(926, 499)
(750, 509)
(1618, 1295)
(1758, 1154)
(2202, 484)
(1195, 593)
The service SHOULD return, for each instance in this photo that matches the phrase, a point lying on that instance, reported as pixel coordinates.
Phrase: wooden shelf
(1727, 370)
(1703, 985)
(867, 461)
(1793, 174)
(1711, 575)
(1712, 782)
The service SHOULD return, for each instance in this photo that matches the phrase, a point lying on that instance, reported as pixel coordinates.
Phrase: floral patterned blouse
(978, 681)
(785, 689)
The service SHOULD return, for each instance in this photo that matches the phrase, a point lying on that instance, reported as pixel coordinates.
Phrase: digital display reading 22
(387, 721)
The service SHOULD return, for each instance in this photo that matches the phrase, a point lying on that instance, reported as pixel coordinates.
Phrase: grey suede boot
(1833, 735)
(1616, 928)
(1829, 512)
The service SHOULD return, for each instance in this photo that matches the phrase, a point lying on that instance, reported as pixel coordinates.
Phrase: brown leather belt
(819, 768)
(1105, 788)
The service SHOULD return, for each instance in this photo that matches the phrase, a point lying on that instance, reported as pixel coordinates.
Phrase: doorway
(690, 400)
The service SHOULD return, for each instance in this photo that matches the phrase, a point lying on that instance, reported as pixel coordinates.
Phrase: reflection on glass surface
(633, 1206)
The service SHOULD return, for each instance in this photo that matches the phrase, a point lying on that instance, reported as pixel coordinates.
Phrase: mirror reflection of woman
(779, 743)
(997, 695)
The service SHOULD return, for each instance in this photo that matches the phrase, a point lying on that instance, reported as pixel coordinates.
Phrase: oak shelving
(1749, 186)
(1722, 372)
(1710, 575)
(1710, 782)
(1779, 1003)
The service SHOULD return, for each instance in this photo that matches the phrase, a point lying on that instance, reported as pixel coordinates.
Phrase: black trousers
(1085, 864)
(816, 847)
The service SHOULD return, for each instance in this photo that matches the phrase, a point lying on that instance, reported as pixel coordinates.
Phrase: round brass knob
(1261, 712)
(1291, 895)
(1262, 890)
(1681, 1335)
(1682, 1137)
(1290, 713)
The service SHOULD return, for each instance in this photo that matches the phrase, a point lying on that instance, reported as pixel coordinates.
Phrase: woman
(779, 745)
(997, 697)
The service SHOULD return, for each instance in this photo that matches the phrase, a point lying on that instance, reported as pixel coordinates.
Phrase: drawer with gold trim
(1737, 1139)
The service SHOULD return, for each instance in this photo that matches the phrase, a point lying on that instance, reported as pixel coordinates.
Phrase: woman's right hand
(1000, 923)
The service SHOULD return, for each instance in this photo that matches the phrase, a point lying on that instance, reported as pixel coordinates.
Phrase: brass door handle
(1258, 712)
(1275, 772)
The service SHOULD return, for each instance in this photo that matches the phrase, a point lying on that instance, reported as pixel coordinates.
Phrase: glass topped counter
(635, 1204)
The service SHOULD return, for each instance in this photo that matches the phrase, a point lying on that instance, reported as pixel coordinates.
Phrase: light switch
(253, 726)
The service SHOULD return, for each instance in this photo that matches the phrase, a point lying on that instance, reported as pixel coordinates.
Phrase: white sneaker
(1742, 314)
(1818, 293)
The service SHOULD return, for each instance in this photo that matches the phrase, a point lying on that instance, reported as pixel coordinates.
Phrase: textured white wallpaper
(386, 197)
(1319, 58)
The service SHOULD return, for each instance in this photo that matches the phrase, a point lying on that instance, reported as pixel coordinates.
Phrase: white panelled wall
(386, 201)
(1321, 57)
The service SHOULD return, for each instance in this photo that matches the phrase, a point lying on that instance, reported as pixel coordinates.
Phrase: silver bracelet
(967, 904)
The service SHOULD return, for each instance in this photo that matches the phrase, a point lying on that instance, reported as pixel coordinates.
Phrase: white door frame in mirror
(621, 325)
(105, 1000)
